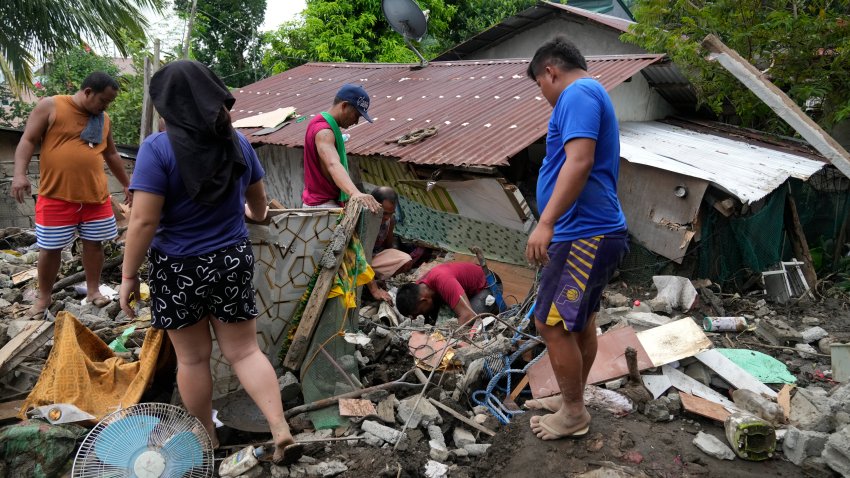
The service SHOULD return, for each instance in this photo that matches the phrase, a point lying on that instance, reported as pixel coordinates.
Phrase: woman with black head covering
(193, 186)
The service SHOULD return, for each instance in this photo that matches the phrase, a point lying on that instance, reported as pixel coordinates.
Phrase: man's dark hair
(99, 81)
(338, 100)
(407, 298)
(385, 193)
(558, 52)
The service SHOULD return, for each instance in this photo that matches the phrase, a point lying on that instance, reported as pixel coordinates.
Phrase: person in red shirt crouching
(460, 285)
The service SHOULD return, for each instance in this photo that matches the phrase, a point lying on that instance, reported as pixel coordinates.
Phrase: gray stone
(836, 453)
(15, 327)
(372, 440)
(280, 471)
(615, 384)
(497, 345)
(646, 320)
(297, 471)
(699, 372)
(387, 434)
(712, 445)
(438, 451)
(660, 304)
(810, 321)
(460, 453)
(658, 410)
(94, 322)
(435, 469)
(801, 444)
(811, 410)
(11, 295)
(326, 468)
(825, 344)
(435, 434)
(469, 378)
(805, 350)
(423, 414)
(616, 299)
(777, 331)
(813, 334)
(290, 387)
(476, 449)
(376, 395)
(839, 397)
(462, 437)
(317, 435)
(4, 303)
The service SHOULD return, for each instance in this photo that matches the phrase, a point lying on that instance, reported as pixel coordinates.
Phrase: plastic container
(759, 406)
(840, 354)
(724, 324)
(752, 438)
(240, 462)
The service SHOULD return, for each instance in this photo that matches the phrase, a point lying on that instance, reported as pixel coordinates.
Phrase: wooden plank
(22, 345)
(353, 407)
(779, 102)
(798, 240)
(520, 386)
(462, 418)
(516, 280)
(674, 341)
(732, 373)
(784, 400)
(331, 260)
(703, 407)
(24, 276)
(10, 410)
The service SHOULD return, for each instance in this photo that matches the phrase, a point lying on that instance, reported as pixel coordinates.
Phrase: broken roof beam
(779, 102)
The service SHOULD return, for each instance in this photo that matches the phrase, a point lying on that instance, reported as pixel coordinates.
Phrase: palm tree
(32, 29)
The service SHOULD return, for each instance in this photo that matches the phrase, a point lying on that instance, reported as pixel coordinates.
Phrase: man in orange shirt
(76, 140)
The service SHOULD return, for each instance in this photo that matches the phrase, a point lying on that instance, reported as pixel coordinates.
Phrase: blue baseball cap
(357, 97)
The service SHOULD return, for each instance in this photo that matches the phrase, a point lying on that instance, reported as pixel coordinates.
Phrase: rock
(326, 468)
(805, 350)
(386, 409)
(712, 445)
(813, 334)
(658, 410)
(615, 384)
(15, 327)
(801, 444)
(435, 434)
(836, 453)
(4, 303)
(699, 372)
(423, 414)
(317, 435)
(675, 404)
(376, 395)
(660, 305)
(387, 434)
(435, 469)
(297, 471)
(462, 437)
(480, 418)
(497, 345)
(777, 332)
(839, 397)
(811, 410)
(824, 345)
(279, 471)
(470, 377)
(646, 320)
(94, 322)
(616, 299)
(762, 311)
(438, 451)
(476, 449)
(290, 387)
(372, 440)
(810, 321)
(11, 295)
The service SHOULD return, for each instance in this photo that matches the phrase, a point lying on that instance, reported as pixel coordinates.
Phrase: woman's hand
(129, 293)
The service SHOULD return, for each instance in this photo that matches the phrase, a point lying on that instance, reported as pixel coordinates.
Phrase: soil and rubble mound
(450, 417)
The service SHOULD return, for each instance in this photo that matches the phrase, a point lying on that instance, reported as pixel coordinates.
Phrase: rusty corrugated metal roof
(486, 110)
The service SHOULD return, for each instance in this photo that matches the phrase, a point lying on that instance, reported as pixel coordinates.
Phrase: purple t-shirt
(187, 228)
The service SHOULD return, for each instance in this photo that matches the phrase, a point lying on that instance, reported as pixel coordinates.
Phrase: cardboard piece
(353, 407)
(703, 407)
(610, 363)
(732, 373)
(265, 120)
(674, 341)
(784, 400)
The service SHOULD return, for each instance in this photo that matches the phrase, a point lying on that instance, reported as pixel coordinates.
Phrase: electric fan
(149, 440)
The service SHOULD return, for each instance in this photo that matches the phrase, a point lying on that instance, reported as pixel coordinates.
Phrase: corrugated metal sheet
(745, 170)
(487, 110)
(601, 18)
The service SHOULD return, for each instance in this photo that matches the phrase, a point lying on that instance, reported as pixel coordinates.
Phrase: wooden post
(331, 260)
(798, 241)
(189, 27)
(779, 102)
(147, 105)
(154, 127)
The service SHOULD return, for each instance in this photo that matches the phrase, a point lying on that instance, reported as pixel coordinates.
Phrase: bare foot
(559, 425)
(99, 300)
(36, 311)
(552, 404)
(286, 451)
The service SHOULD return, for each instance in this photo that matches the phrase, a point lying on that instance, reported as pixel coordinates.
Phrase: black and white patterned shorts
(186, 289)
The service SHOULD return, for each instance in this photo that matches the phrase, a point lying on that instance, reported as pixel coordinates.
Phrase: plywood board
(516, 280)
(24, 276)
(674, 341)
(34, 335)
(784, 400)
(610, 363)
(703, 407)
(353, 407)
(686, 384)
(732, 373)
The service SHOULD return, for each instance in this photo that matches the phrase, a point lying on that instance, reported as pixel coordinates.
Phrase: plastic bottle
(751, 437)
(240, 462)
(724, 324)
(758, 405)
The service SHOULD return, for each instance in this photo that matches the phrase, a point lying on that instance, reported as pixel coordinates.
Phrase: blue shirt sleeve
(257, 171)
(578, 114)
(149, 174)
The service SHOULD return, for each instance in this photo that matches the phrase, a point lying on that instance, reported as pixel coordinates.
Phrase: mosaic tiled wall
(286, 253)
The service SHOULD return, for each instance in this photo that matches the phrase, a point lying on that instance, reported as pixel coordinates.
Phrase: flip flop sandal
(576, 434)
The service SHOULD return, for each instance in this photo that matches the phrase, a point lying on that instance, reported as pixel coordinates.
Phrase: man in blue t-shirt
(581, 237)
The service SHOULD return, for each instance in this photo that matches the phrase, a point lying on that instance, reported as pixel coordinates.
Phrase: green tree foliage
(65, 72)
(474, 16)
(226, 37)
(801, 46)
(353, 30)
(13, 110)
(32, 30)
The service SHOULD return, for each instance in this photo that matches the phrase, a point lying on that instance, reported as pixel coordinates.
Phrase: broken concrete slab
(646, 320)
(836, 453)
(462, 437)
(656, 384)
(677, 291)
(801, 444)
(813, 334)
(326, 469)
(477, 449)
(811, 410)
(438, 451)
(422, 413)
(839, 397)
(658, 410)
(435, 469)
(387, 434)
(713, 446)
(777, 332)
(805, 350)
(498, 345)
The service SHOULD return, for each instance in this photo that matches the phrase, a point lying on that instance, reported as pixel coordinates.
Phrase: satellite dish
(407, 19)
